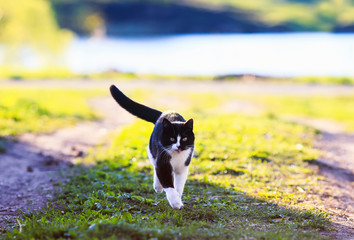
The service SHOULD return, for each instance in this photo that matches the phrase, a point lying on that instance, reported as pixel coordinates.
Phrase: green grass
(348, 81)
(336, 108)
(42, 110)
(56, 72)
(325, 80)
(247, 181)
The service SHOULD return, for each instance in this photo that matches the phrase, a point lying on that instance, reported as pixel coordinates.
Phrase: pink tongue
(179, 150)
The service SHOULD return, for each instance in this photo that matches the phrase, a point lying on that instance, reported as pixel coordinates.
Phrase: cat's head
(177, 136)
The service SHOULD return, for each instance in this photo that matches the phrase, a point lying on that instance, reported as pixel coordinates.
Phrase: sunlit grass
(247, 180)
(325, 80)
(336, 108)
(42, 110)
(56, 72)
(62, 73)
(19, 73)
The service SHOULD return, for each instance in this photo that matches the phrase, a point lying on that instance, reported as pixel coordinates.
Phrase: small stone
(70, 164)
(29, 169)
(79, 154)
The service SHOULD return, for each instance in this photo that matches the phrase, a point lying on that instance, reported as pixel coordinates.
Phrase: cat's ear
(166, 124)
(189, 124)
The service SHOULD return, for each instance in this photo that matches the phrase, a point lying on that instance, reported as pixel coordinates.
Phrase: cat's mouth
(178, 150)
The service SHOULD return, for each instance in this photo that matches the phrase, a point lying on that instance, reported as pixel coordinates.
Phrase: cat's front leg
(173, 198)
(164, 174)
(180, 180)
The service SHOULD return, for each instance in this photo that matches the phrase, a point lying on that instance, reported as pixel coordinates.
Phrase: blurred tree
(30, 24)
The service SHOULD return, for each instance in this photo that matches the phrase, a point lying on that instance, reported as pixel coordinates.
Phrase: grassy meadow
(249, 180)
(41, 110)
(339, 109)
(63, 73)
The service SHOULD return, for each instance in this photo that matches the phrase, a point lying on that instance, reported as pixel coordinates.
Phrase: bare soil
(33, 164)
(336, 165)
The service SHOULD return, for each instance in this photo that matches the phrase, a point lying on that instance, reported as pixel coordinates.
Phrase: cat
(170, 148)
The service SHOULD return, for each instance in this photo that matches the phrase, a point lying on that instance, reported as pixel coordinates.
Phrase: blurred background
(270, 38)
(233, 65)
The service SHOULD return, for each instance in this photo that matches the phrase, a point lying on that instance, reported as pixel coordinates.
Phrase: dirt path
(336, 164)
(31, 168)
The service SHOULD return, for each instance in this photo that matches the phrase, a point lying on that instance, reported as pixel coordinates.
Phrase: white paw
(173, 198)
(177, 204)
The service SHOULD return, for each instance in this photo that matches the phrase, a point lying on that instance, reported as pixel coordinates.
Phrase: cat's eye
(172, 139)
(184, 139)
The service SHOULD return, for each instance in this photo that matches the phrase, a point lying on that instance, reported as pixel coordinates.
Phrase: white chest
(178, 160)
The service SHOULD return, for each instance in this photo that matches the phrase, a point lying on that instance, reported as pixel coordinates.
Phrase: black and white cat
(170, 148)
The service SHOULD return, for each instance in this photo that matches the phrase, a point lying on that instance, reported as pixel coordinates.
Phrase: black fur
(137, 109)
(188, 161)
(164, 171)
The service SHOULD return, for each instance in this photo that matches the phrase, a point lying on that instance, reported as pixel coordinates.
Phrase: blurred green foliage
(295, 15)
(30, 25)
(300, 15)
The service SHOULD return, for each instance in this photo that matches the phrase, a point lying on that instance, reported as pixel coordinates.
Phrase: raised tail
(137, 109)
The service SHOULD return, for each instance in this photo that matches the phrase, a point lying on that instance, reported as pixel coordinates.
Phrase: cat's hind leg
(157, 185)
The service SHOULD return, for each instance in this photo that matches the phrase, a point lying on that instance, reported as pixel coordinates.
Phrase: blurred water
(292, 54)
